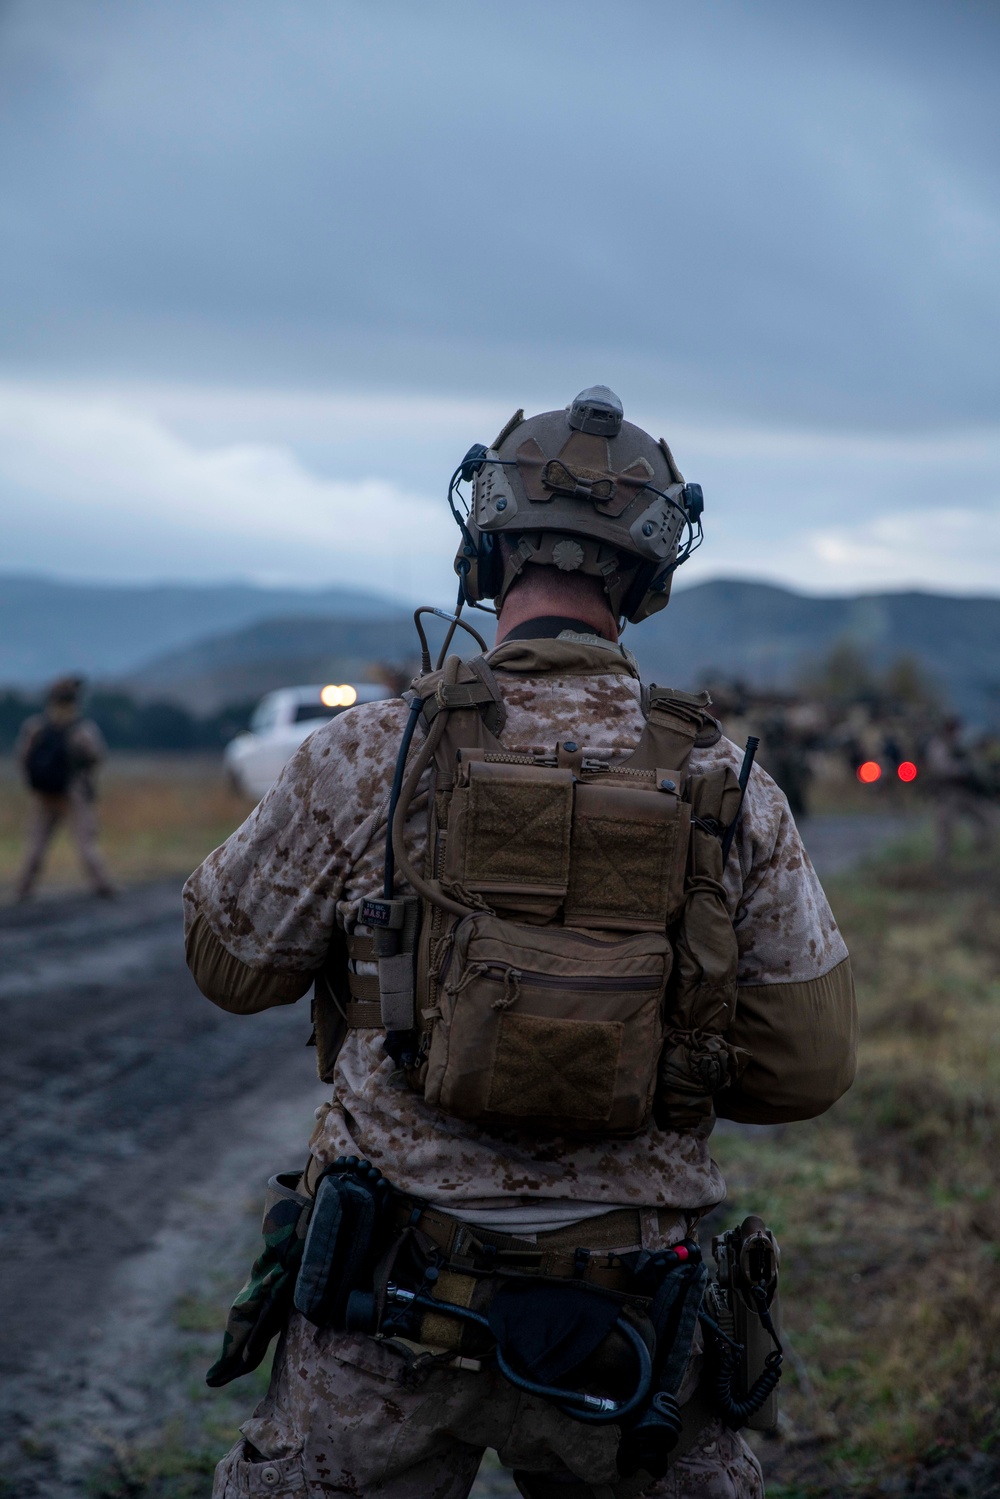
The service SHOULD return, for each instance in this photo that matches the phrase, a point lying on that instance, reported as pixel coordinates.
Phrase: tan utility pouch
(548, 1027)
(534, 842)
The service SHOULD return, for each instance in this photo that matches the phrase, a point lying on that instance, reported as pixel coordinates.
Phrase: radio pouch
(261, 1307)
(744, 1302)
(341, 1244)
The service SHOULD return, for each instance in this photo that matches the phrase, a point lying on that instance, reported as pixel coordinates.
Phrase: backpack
(568, 964)
(48, 763)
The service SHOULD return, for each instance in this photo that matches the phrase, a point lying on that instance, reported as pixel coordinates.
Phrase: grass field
(160, 815)
(887, 1210)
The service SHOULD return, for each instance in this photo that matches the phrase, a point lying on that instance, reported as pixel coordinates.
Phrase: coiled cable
(736, 1413)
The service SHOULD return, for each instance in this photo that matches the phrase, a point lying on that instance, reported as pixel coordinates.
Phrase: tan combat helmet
(579, 489)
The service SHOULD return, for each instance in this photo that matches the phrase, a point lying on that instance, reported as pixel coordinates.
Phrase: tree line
(128, 724)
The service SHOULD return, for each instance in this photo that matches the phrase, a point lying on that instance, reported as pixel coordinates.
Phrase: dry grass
(888, 1208)
(160, 815)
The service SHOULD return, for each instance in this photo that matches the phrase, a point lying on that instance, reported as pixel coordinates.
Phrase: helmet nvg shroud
(581, 490)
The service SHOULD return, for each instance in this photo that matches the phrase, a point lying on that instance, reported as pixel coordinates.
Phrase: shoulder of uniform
(367, 723)
(720, 751)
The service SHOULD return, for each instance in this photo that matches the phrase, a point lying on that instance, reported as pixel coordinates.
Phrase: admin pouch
(575, 968)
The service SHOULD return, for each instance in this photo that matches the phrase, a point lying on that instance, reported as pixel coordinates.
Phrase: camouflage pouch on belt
(262, 1306)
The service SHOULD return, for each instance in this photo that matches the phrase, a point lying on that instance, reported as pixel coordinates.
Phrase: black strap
(549, 627)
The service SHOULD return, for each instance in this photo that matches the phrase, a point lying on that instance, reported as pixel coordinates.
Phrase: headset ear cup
(468, 572)
(490, 566)
(637, 589)
(468, 565)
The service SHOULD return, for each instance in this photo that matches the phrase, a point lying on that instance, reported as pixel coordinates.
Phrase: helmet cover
(581, 490)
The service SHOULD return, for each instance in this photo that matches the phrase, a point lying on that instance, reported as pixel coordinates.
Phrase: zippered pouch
(548, 1027)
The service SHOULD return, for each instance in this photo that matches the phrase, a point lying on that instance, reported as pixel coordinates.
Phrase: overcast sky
(269, 269)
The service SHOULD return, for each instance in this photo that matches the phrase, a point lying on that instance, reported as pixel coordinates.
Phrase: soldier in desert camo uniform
(556, 535)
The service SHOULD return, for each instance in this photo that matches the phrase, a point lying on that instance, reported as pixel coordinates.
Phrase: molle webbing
(364, 1008)
(532, 836)
(576, 958)
(475, 690)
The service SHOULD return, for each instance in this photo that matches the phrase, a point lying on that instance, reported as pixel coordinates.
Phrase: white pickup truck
(280, 722)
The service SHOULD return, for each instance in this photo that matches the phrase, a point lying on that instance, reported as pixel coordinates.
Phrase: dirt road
(137, 1120)
(838, 841)
(138, 1124)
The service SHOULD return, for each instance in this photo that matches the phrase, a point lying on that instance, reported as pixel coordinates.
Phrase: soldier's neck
(547, 616)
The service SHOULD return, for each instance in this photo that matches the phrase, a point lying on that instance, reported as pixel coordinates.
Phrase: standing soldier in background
(787, 759)
(522, 1098)
(58, 751)
(960, 790)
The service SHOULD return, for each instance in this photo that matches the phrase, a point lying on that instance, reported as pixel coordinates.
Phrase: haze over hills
(48, 626)
(208, 646)
(238, 667)
(768, 635)
(764, 634)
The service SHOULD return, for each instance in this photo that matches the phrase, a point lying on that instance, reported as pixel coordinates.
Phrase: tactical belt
(581, 1251)
(555, 1252)
(457, 1296)
(559, 1254)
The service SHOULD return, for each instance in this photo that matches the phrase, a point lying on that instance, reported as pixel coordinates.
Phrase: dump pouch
(557, 1334)
(262, 1306)
(548, 1027)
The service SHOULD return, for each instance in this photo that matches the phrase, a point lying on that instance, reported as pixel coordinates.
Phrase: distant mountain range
(241, 666)
(768, 635)
(48, 627)
(206, 647)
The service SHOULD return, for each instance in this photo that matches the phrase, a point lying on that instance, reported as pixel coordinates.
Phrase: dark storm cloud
(787, 208)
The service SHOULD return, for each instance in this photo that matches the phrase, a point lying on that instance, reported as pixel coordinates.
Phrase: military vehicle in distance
(280, 723)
